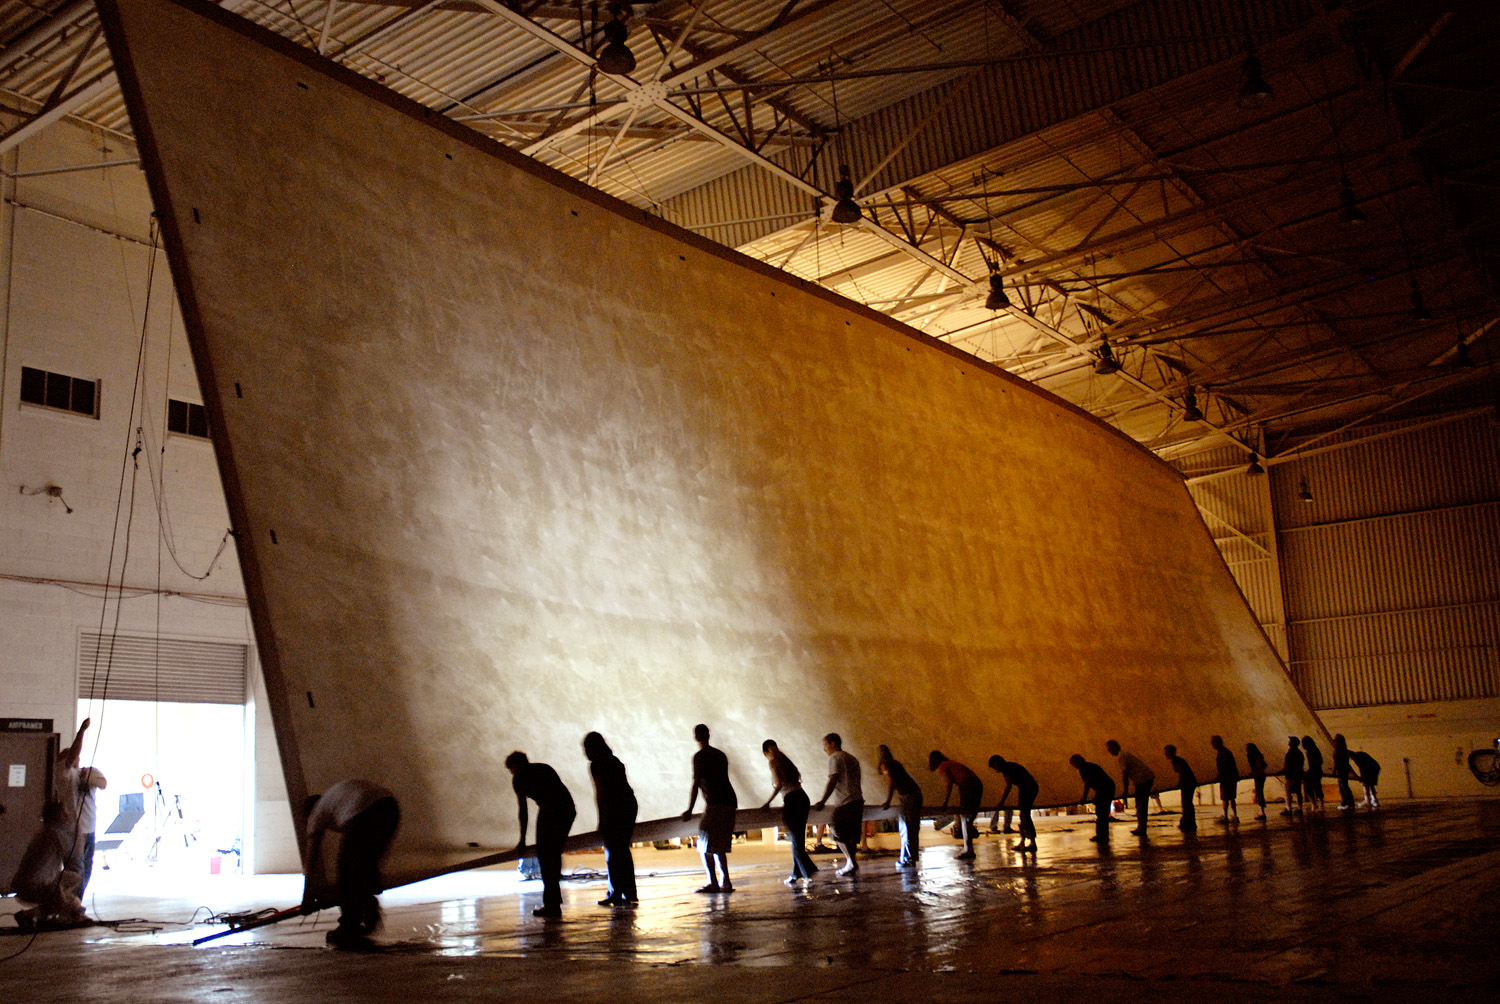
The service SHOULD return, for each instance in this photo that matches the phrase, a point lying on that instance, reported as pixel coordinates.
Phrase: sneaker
(847, 870)
(610, 901)
(726, 889)
(820, 849)
(790, 880)
(964, 856)
(708, 888)
(1139, 831)
(548, 912)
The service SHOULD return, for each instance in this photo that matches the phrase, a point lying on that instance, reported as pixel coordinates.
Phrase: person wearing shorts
(970, 792)
(1228, 777)
(849, 801)
(716, 825)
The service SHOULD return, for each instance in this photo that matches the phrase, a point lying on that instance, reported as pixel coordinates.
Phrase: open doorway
(175, 805)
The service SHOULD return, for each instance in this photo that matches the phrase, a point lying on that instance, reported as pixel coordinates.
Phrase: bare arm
(1006, 794)
(948, 794)
(692, 799)
(69, 756)
(771, 798)
(890, 788)
(92, 777)
(523, 815)
(833, 780)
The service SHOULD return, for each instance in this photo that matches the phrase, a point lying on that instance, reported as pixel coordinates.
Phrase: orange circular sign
(147, 780)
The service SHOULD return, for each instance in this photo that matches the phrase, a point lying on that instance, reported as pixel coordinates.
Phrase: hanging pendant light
(845, 210)
(616, 58)
(1350, 212)
(998, 299)
(1254, 92)
(1190, 412)
(1304, 494)
(1105, 362)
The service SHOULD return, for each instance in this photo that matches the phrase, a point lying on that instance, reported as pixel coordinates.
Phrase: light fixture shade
(616, 57)
(1255, 470)
(997, 300)
(1254, 92)
(1351, 213)
(1304, 494)
(845, 210)
(1419, 309)
(1462, 357)
(1105, 361)
(1190, 412)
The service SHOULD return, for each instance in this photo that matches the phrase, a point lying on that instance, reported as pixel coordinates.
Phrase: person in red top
(970, 791)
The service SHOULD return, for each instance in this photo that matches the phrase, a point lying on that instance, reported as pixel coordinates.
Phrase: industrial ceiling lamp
(1419, 309)
(1254, 92)
(616, 58)
(1190, 412)
(1350, 212)
(845, 210)
(1255, 470)
(1105, 361)
(1304, 494)
(997, 300)
(1462, 357)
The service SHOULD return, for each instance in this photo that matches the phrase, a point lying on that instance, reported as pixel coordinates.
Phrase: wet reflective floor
(1400, 904)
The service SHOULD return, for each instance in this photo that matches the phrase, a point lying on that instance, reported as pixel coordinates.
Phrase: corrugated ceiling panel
(145, 668)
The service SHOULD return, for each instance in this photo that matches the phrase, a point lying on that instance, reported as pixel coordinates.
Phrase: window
(187, 418)
(56, 390)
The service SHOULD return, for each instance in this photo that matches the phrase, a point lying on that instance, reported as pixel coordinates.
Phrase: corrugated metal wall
(1237, 511)
(1392, 571)
(1389, 577)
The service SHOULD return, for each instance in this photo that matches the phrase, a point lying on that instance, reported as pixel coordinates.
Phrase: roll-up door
(145, 668)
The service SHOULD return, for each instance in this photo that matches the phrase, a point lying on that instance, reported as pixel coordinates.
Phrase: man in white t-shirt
(849, 801)
(90, 781)
(365, 815)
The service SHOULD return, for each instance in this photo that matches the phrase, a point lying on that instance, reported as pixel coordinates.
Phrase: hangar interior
(1256, 238)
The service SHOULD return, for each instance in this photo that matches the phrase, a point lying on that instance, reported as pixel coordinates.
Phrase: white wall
(79, 291)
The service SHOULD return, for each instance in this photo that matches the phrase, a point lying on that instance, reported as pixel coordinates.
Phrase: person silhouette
(1096, 780)
(794, 808)
(1187, 787)
(616, 805)
(1341, 770)
(1312, 779)
(1292, 771)
(554, 818)
(365, 815)
(716, 826)
(1228, 777)
(849, 809)
(1257, 763)
(1020, 778)
(1136, 781)
(970, 794)
(900, 785)
(1369, 776)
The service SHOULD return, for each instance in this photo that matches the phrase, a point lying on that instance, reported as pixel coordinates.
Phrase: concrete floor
(1398, 905)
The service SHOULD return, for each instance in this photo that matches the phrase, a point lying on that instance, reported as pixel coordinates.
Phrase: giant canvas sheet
(509, 461)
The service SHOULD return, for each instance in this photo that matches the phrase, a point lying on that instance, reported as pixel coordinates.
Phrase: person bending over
(554, 818)
(1187, 789)
(365, 816)
(1020, 778)
(1096, 780)
(1136, 781)
(901, 785)
(614, 801)
(970, 793)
